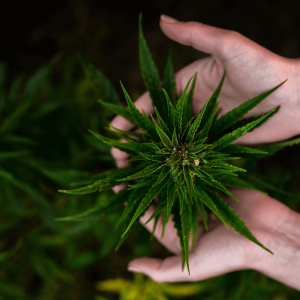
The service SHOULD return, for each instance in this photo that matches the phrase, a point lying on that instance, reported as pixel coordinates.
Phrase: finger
(167, 270)
(208, 39)
(170, 239)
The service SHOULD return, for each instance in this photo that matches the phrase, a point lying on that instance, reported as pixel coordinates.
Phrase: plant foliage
(183, 160)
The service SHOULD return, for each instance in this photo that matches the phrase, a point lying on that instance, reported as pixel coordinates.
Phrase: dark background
(105, 32)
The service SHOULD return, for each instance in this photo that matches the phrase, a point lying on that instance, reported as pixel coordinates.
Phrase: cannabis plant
(181, 159)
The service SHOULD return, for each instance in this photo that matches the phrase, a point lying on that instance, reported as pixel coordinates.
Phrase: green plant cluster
(180, 158)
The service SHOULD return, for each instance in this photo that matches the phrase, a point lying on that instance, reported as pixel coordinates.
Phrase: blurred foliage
(44, 146)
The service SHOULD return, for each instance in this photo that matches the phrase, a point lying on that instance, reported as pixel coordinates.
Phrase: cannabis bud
(180, 158)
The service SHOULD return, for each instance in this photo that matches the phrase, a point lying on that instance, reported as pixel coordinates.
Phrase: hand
(220, 250)
(250, 71)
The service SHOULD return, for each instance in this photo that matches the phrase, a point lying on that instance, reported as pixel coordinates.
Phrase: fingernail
(133, 269)
(168, 19)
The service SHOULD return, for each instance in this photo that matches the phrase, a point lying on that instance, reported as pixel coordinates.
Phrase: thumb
(167, 270)
(208, 39)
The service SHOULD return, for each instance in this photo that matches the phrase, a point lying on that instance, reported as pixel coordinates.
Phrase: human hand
(250, 71)
(220, 250)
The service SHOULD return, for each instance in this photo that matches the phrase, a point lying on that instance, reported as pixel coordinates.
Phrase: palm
(251, 70)
(220, 250)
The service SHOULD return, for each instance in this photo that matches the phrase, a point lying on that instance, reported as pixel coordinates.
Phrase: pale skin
(250, 71)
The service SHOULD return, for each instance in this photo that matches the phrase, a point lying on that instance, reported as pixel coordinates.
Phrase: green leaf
(205, 130)
(163, 136)
(198, 148)
(213, 101)
(200, 205)
(194, 222)
(177, 225)
(132, 203)
(150, 74)
(171, 111)
(231, 137)
(162, 202)
(206, 199)
(189, 181)
(131, 146)
(275, 147)
(101, 85)
(187, 109)
(116, 202)
(163, 174)
(142, 137)
(119, 110)
(233, 219)
(154, 190)
(143, 173)
(193, 129)
(149, 180)
(186, 225)
(169, 79)
(233, 149)
(211, 181)
(179, 109)
(170, 199)
(142, 121)
(174, 138)
(237, 113)
(162, 124)
(158, 158)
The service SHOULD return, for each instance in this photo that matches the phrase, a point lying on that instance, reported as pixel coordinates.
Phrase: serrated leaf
(205, 130)
(169, 79)
(158, 158)
(145, 181)
(213, 101)
(163, 174)
(143, 173)
(132, 203)
(177, 225)
(193, 129)
(163, 136)
(150, 74)
(154, 190)
(211, 181)
(170, 199)
(233, 149)
(171, 111)
(189, 181)
(233, 219)
(237, 113)
(246, 121)
(179, 109)
(187, 109)
(206, 199)
(162, 124)
(231, 137)
(186, 225)
(198, 148)
(142, 137)
(174, 138)
(194, 222)
(119, 110)
(275, 147)
(130, 146)
(200, 205)
(161, 204)
(141, 120)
